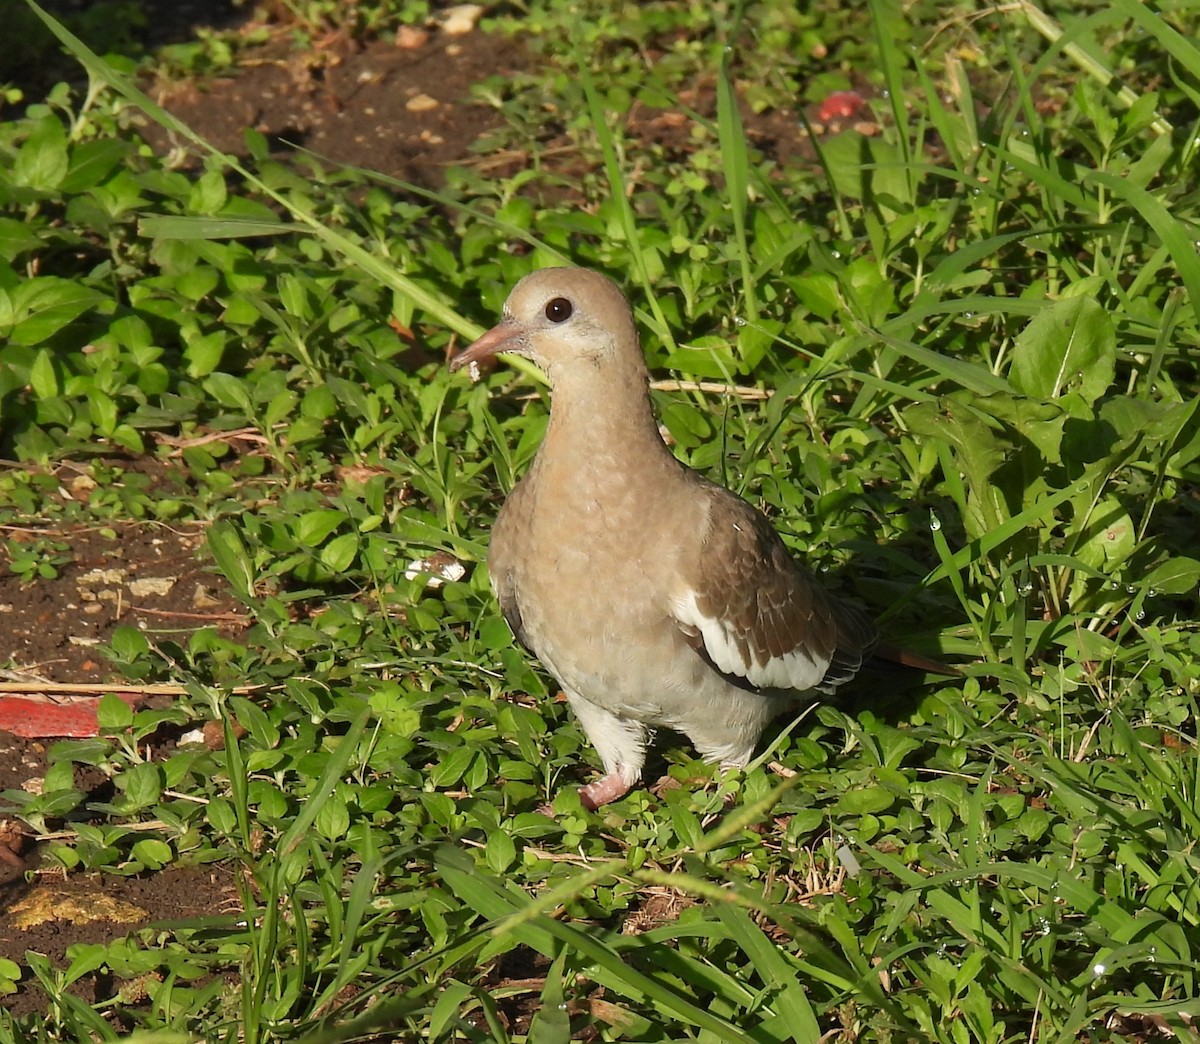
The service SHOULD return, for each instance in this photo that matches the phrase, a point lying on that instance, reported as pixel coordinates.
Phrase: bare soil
(144, 575)
(54, 911)
(400, 110)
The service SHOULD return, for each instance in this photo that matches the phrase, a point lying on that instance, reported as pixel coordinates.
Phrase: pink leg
(608, 788)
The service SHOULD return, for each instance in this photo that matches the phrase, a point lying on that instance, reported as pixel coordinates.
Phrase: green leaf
(865, 800)
(1177, 575)
(42, 377)
(229, 391)
(978, 454)
(1070, 344)
(221, 816)
(102, 409)
(203, 353)
(16, 237)
(1109, 538)
(44, 305)
(335, 769)
(707, 356)
(255, 721)
(129, 643)
(1172, 230)
(202, 228)
(450, 769)
(232, 558)
(333, 819)
(10, 975)
(313, 527)
(447, 1010)
(500, 852)
(142, 784)
(776, 969)
(112, 712)
(551, 1024)
(208, 194)
(391, 705)
(155, 854)
(92, 162)
(42, 162)
(340, 552)
(198, 283)
(293, 295)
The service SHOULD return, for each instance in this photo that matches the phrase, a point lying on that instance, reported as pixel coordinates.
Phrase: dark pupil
(558, 310)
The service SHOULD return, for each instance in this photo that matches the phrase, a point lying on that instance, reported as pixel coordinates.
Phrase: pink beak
(503, 337)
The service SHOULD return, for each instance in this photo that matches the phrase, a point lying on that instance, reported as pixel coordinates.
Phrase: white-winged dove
(653, 596)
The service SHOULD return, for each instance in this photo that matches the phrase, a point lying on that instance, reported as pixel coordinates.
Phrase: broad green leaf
(197, 283)
(1177, 575)
(333, 818)
(112, 712)
(978, 452)
(92, 161)
(340, 552)
(450, 769)
(395, 711)
(42, 161)
(204, 353)
(499, 851)
(707, 356)
(819, 293)
(142, 783)
(208, 193)
(154, 853)
(232, 558)
(1109, 537)
(42, 377)
(102, 409)
(865, 800)
(1070, 344)
(16, 237)
(311, 528)
(229, 391)
(42, 306)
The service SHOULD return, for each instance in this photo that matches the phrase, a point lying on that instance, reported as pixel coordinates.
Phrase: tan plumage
(653, 596)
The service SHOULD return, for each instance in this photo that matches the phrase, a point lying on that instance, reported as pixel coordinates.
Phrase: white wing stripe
(793, 670)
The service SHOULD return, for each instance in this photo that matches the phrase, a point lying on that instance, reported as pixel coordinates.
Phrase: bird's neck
(604, 416)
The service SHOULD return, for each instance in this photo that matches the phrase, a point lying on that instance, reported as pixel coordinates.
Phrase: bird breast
(575, 552)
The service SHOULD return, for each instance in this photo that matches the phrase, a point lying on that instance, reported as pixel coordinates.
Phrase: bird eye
(558, 310)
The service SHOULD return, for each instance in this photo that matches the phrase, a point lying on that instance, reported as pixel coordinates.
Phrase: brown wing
(756, 615)
(503, 544)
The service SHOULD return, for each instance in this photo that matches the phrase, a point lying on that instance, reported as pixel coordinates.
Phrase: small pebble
(410, 38)
(421, 103)
(461, 19)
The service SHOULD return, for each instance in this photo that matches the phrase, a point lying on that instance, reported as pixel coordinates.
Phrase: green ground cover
(979, 332)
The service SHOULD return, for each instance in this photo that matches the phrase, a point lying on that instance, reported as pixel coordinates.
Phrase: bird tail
(893, 654)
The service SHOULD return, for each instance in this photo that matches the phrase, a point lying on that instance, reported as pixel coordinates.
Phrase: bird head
(561, 319)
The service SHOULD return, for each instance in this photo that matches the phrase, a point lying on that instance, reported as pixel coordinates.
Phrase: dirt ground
(144, 575)
(399, 109)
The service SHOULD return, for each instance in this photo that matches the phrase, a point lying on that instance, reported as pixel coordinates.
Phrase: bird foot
(604, 790)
